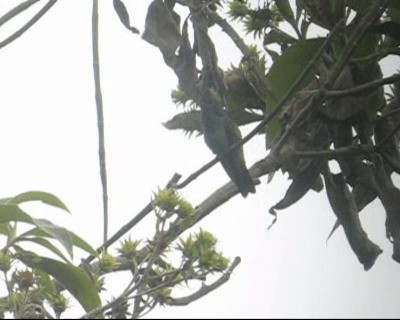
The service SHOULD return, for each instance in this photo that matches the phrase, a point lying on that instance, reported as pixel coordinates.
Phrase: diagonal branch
(17, 10)
(128, 226)
(205, 289)
(29, 24)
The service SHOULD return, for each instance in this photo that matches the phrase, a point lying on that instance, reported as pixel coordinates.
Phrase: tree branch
(205, 289)
(29, 24)
(333, 154)
(100, 115)
(230, 31)
(358, 33)
(128, 226)
(291, 90)
(334, 94)
(17, 10)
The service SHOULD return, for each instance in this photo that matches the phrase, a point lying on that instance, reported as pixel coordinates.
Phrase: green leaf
(4, 230)
(284, 72)
(82, 244)
(11, 212)
(273, 54)
(389, 28)
(59, 233)
(46, 283)
(74, 279)
(360, 6)
(123, 15)
(299, 9)
(44, 243)
(278, 36)
(394, 4)
(5, 200)
(285, 9)
(45, 197)
(300, 185)
(76, 240)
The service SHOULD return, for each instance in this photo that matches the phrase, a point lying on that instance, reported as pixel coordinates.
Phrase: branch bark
(29, 24)
(100, 115)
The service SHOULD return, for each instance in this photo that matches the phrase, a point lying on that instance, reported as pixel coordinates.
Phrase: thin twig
(128, 226)
(205, 289)
(334, 94)
(358, 33)
(197, 173)
(29, 24)
(17, 10)
(93, 313)
(156, 251)
(100, 115)
(378, 55)
(238, 40)
(333, 154)
(389, 136)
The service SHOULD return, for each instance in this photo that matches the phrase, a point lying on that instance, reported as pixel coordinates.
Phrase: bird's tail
(240, 176)
(245, 184)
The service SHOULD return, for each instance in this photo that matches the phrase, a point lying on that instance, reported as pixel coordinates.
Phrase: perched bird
(220, 133)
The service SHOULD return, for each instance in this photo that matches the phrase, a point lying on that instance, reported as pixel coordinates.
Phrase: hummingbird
(220, 134)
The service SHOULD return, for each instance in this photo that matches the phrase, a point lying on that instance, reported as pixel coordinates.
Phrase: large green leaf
(73, 278)
(389, 28)
(11, 212)
(361, 7)
(59, 233)
(285, 9)
(284, 72)
(44, 243)
(394, 4)
(278, 36)
(4, 229)
(76, 240)
(45, 197)
(394, 11)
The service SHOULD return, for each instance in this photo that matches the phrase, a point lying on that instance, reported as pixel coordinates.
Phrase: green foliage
(74, 279)
(107, 262)
(299, 84)
(166, 199)
(129, 248)
(200, 251)
(45, 197)
(283, 73)
(34, 285)
(168, 203)
(238, 9)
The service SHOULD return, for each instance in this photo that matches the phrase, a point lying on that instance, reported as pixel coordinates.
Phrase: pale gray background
(48, 134)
